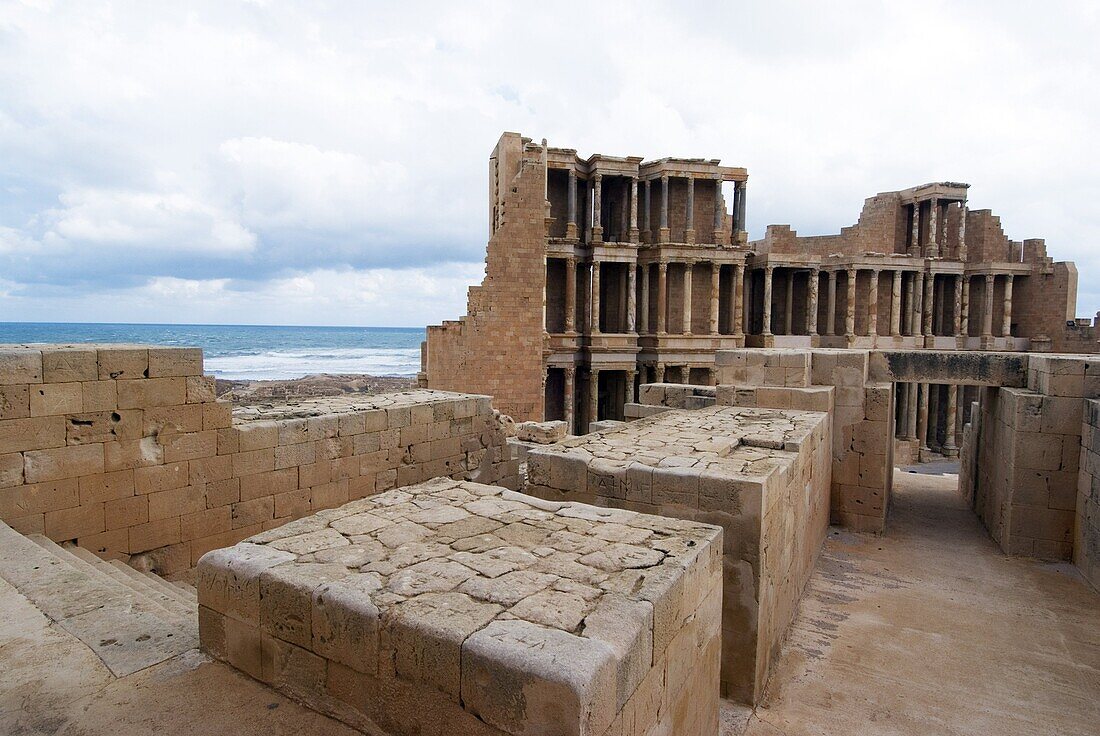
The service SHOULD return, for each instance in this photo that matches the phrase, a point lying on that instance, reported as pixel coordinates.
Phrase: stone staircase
(131, 620)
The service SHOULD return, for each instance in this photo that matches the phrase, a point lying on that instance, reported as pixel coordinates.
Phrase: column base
(689, 236)
(740, 238)
(571, 231)
(632, 235)
(929, 341)
(645, 236)
(663, 235)
(950, 452)
(925, 455)
(597, 234)
(986, 342)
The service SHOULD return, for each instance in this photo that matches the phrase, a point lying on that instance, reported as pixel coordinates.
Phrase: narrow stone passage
(932, 630)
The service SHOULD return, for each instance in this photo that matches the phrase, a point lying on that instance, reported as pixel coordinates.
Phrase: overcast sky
(325, 162)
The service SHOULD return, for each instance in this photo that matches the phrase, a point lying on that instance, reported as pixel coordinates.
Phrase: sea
(252, 352)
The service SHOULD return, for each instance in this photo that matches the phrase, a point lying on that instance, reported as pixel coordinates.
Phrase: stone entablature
(762, 475)
(459, 608)
(125, 450)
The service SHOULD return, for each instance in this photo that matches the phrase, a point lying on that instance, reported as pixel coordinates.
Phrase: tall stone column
(911, 417)
(633, 234)
(910, 305)
(624, 214)
(663, 236)
(957, 324)
(643, 308)
(631, 298)
(903, 410)
(719, 211)
(571, 224)
(662, 297)
(965, 312)
(811, 302)
(659, 373)
(895, 305)
(570, 399)
(922, 418)
(689, 267)
(987, 313)
(918, 303)
(788, 306)
(689, 220)
(737, 300)
(928, 303)
(594, 327)
(646, 233)
(597, 208)
(685, 374)
(593, 397)
(570, 294)
(850, 307)
(950, 442)
(933, 230)
(914, 233)
(743, 193)
(962, 232)
(715, 273)
(872, 307)
(1006, 321)
(767, 330)
(631, 389)
(830, 306)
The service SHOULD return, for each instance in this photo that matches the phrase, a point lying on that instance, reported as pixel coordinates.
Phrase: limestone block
(173, 362)
(63, 462)
(14, 401)
(11, 470)
(99, 395)
(123, 362)
(144, 393)
(48, 399)
(286, 598)
(69, 364)
(20, 366)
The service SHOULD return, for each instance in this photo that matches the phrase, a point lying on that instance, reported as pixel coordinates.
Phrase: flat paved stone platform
(932, 630)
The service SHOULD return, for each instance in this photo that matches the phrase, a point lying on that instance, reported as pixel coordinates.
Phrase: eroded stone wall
(124, 450)
(1086, 544)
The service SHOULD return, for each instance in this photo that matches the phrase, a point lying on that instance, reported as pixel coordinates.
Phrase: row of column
(919, 296)
(918, 415)
(936, 240)
(630, 209)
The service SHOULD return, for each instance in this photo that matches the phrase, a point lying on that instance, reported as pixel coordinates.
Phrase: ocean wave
(288, 364)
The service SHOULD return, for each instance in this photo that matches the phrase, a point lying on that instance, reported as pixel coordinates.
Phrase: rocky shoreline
(322, 384)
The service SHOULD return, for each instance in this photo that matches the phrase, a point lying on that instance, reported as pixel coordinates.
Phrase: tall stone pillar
(646, 233)
(895, 305)
(910, 305)
(719, 211)
(956, 306)
(715, 273)
(965, 312)
(737, 300)
(571, 224)
(593, 397)
(631, 388)
(662, 297)
(631, 298)
(633, 234)
(643, 307)
(918, 303)
(570, 399)
(570, 294)
(962, 232)
(788, 306)
(928, 304)
(664, 233)
(933, 415)
(830, 306)
(767, 330)
(1006, 321)
(850, 307)
(933, 230)
(903, 410)
(743, 193)
(914, 233)
(987, 313)
(950, 442)
(872, 307)
(689, 220)
(597, 208)
(685, 374)
(911, 416)
(922, 418)
(689, 267)
(811, 302)
(659, 373)
(594, 326)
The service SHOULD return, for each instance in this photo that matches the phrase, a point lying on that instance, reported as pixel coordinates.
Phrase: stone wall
(1086, 536)
(762, 475)
(124, 450)
(497, 348)
(453, 608)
